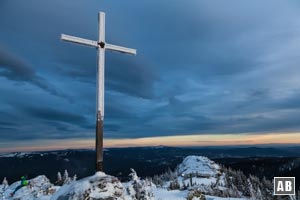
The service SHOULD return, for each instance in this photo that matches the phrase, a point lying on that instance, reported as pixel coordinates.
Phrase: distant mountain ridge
(214, 152)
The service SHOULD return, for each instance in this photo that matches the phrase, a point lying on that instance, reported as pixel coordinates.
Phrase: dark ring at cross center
(102, 44)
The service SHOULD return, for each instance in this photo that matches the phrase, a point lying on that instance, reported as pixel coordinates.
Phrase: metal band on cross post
(101, 46)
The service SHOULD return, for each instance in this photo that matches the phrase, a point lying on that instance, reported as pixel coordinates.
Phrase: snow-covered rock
(38, 188)
(99, 186)
(199, 166)
(197, 171)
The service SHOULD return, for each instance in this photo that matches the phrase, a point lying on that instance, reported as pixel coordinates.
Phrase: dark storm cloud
(54, 115)
(202, 67)
(137, 81)
(14, 68)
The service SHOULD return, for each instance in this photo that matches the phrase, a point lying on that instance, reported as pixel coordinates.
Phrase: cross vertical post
(101, 46)
(100, 93)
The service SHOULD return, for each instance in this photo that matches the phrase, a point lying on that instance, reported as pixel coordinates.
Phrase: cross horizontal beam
(120, 49)
(79, 40)
(96, 44)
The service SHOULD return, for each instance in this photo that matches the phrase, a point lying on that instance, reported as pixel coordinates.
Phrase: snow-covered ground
(163, 194)
(195, 178)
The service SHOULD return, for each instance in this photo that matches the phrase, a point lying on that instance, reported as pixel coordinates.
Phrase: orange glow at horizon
(182, 140)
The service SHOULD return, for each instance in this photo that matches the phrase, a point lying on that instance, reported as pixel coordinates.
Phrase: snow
(205, 175)
(200, 171)
(17, 154)
(198, 181)
(38, 188)
(163, 194)
(95, 187)
(198, 165)
(222, 198)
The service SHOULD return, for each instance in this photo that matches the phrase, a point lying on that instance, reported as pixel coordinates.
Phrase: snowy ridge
(199, 166)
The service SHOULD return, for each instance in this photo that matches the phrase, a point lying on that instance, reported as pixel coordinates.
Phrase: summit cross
(101, 45)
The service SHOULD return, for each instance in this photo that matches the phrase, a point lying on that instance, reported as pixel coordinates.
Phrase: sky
(206, 73)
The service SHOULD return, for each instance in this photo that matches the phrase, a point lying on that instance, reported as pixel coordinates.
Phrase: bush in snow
(140, 189)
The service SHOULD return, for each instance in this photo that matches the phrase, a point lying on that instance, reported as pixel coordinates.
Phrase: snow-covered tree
(59, 180)
(66, 178)
(74, 178)
(157, 180)
(66, 175)
(140, 189)
(134, 176)
(5, 183)
(169, 175)
(3, 188)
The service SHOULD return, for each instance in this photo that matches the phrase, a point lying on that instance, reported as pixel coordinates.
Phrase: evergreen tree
(59, 180)
(4, 183)
(140, 189)
(75, 177)
(66, 178)
(3, 188)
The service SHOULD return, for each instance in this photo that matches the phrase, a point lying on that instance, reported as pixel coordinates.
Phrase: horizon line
(207, 140)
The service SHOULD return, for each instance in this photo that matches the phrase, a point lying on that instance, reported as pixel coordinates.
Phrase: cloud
(13, 68)
(201, 68)
(52, 114)
(126, 74)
